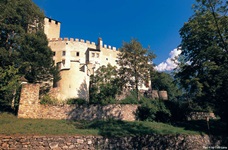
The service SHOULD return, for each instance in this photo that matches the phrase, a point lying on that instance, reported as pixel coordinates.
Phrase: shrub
(180, 109)
(79, 101)
(153, 110)
(104, 95)
(103, 101)
(108, 100)
(47, 100)
(130, 99)
(177, 109)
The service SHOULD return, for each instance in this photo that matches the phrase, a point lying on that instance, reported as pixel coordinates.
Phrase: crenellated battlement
(52, 28)
(52, 21)
(105, 46)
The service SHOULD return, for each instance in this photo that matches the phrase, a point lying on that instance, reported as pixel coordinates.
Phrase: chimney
(99, 43)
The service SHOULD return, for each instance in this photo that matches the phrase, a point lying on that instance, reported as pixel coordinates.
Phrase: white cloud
(170, 63)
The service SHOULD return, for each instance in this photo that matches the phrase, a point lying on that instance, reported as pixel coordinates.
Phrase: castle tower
(51, 28)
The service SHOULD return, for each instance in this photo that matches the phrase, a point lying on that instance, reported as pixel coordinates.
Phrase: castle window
(77, 53)
(97, 55)
(53, 53)
(64, 53)
(93, 54)
(106, 58)
(63, 62)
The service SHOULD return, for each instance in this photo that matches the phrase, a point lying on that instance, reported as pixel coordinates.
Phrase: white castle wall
(77, 60)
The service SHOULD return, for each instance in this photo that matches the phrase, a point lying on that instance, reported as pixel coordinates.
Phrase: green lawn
(10, 124)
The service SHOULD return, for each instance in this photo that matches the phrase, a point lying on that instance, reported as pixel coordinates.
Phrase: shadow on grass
(213, 127)
(118, 128)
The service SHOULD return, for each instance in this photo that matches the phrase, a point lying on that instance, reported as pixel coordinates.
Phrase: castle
(77, 59)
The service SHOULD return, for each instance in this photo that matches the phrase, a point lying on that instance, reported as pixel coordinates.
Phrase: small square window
(49, 20)
(53, 53)
(64, 53)
(77, 53)
(93, 54)
(97, 55)
(56, 22)
(63, 62)
(106, 58)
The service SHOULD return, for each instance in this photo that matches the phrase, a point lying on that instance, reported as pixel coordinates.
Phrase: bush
(108, 100)
(180, 109)
(47, 100)
(103, 101)
(130, 99)
(177, 109)
(79, 101)
(153, 110)
(104, 95)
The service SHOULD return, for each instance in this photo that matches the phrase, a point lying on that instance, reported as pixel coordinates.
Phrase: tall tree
(135, 64)
(23, 44)
(203, 71)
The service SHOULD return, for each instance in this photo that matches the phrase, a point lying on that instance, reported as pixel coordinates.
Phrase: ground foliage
(153, 110)
(11, 125)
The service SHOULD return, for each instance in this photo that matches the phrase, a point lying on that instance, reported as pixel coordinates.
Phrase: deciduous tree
(23, 44)
(135, 64)
(203, 71)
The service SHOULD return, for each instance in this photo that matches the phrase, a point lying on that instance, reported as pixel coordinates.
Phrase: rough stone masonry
(151, 142)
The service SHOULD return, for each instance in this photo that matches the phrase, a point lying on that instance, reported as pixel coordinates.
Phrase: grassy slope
(10, 124)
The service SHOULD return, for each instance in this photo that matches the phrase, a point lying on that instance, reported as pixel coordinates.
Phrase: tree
(23, 44)
(203, 70)
(8, 84)
(135, 64)
(104, 85)
(164, 81)
(36, 62)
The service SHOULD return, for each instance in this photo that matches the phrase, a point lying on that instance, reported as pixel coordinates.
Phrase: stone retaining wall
(201, 116)
(30, 107)
(151, 142)
(84, 112)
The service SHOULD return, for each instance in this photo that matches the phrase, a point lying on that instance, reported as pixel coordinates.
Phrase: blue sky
(155, 23)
